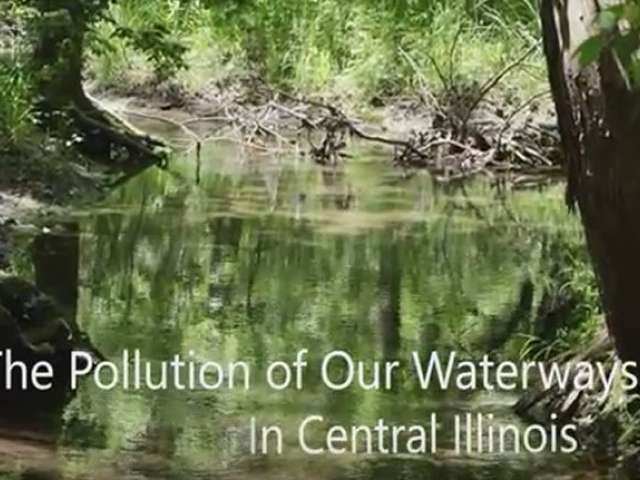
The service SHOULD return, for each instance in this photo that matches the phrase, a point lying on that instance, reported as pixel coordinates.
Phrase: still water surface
(265, 256)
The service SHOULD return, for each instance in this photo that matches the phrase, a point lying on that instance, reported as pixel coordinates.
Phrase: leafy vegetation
(359, 49)
(16, 105)
(569, 312)
(16, 83)
(618, 31)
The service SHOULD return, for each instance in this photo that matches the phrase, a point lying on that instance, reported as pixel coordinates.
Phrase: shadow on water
(264, 256)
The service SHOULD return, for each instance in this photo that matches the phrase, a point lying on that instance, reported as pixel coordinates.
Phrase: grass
(359, 49)
(16, 83)
(16, 105)
(570, 311)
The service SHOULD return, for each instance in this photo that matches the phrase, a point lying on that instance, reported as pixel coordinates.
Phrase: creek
(264, 256)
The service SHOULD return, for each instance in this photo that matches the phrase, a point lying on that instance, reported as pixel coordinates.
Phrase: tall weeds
(16, 99)
(16, 84)
(360, 47)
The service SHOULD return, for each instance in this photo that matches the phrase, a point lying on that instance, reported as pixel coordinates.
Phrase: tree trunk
(599, 118)
(58, 55)
(59, 62)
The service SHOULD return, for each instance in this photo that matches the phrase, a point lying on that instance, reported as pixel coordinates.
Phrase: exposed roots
(104, 135)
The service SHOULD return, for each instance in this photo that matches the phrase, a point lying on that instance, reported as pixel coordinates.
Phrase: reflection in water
(56, 265)
(265, 256)
(390, 273)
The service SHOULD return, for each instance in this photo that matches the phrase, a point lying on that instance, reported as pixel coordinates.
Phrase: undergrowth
(570, 312)
(16, 105)
(16, 84)
(360, 49)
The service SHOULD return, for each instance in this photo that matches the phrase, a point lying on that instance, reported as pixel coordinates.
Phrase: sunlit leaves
(618, 33)
(608, 19)
(154, 40)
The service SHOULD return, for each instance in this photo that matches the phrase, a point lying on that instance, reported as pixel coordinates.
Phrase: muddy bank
(34, 177)
(42, 177)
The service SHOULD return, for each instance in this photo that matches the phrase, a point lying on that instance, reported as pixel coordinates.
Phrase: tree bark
(59, 62)
(59, 54)
(599, 119)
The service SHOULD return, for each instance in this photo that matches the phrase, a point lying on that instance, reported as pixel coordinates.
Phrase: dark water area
(268, 255)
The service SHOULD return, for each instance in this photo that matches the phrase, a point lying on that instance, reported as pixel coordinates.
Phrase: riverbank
(454, 87)
(40, 177)
(454, 134)
(37, 180)
(418, 132)
(209, 73)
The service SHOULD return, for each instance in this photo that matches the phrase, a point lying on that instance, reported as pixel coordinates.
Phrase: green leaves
(589, 52)
(608, 19)
(619, 33)
(607, 22)
(166, 53)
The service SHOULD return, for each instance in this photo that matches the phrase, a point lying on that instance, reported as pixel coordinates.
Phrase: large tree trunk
(59, 53)
(59, 62)
(599, 118)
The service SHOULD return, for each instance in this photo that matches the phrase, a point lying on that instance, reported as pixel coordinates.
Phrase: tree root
(104, 135)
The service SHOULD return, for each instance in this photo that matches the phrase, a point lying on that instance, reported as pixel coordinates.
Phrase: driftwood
(464, 132)
(451, 147)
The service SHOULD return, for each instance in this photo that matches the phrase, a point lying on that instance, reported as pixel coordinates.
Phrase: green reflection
(265, 256)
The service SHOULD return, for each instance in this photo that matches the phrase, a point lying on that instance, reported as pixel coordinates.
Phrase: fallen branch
(450, 145)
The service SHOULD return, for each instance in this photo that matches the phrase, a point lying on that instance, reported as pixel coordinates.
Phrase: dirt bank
(40, 179)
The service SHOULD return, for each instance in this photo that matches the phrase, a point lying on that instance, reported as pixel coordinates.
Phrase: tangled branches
(489, 142)
(450, 146)
(454, 135)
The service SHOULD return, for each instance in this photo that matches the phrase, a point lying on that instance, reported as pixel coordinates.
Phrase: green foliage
(572, 288)
(16, 107)
(153, 38)
(618, 32)
(142, 36)
(166, 55)
(356, 46)
(360, 48)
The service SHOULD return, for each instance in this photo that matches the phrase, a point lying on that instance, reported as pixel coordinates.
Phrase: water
(267, 255)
